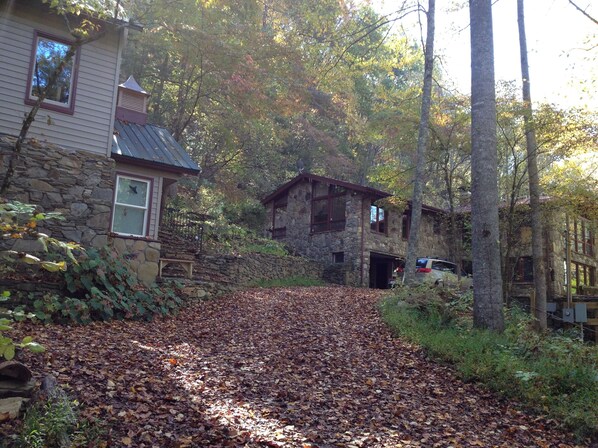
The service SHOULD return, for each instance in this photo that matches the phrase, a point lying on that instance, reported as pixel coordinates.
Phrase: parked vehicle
(436, 272)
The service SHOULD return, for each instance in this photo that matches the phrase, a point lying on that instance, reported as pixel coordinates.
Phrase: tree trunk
(487, 282)
(534, 181)
(265, 14)
(422, 142)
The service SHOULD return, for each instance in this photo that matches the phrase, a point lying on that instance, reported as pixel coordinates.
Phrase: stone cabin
(91, 153)
(569, 245)
(342, 224)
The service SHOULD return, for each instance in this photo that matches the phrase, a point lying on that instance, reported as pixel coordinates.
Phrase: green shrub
(554, 373)
(223, 237)
(20, 221)
(54, 423)
(100, 287)
(249, 213)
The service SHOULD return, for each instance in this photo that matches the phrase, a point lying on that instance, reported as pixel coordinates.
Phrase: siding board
(90, 126)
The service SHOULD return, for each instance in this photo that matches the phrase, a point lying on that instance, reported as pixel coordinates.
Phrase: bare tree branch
(583, 12)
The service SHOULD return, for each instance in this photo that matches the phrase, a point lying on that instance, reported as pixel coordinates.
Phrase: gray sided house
(91, 153)
(342, 224)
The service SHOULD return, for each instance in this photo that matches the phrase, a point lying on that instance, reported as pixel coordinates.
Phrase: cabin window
(131, 206)
(47, 55)
(378, 219)
(338, 257)
(582, 237)
(328, 207)
(524, 270)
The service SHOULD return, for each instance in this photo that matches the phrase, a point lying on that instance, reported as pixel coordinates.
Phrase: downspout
(362, 239)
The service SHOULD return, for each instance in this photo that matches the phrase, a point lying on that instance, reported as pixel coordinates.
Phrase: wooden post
(568, 261)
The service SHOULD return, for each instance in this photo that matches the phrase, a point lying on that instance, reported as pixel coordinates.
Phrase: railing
(182, 231)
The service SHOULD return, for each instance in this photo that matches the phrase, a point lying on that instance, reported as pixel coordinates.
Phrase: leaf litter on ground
(295, 367)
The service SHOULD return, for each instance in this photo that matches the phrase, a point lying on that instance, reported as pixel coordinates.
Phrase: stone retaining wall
(215, 275)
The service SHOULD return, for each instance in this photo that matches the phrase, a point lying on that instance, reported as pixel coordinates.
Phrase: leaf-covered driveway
(287, 367)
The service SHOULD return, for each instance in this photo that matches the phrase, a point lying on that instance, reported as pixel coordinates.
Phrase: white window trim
(146, 208)
(72, 86)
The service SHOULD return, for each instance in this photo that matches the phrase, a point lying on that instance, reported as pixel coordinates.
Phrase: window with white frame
(131, 206)
(48, 54)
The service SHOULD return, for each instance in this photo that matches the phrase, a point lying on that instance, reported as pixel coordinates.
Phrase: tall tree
(422, 142)
(487, 284)
(533, 176)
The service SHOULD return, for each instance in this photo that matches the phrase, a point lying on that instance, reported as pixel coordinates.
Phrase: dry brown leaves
(305, 367)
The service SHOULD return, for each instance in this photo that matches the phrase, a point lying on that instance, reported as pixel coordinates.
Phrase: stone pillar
(141, 255)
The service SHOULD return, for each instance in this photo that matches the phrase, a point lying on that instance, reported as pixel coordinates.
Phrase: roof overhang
(367, 191)
(372, 192)
(154, 165)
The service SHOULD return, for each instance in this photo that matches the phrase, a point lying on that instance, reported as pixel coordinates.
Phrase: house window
(338, 257)
(582, 237)
(524, 270)
(328, 207)
(581, 275)
(405, 224)
(378, 219)
(47, 55)
(279, 218)
(131, 206)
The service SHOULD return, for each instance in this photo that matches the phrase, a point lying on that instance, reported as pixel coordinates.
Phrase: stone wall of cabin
(141, 255)
(432, 237)
(321, 246)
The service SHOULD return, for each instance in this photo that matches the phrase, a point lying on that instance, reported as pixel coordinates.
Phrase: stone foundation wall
(141, 255)
(78, 184)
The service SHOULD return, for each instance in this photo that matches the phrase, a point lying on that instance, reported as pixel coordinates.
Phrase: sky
(561, 66)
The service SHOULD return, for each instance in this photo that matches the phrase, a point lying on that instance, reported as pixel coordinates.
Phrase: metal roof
(151, 146)
(313, 177)
(369, 191)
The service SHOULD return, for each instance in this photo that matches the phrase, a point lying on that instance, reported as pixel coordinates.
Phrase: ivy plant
(20, 221)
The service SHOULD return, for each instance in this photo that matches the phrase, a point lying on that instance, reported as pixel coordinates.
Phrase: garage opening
(381, 268)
